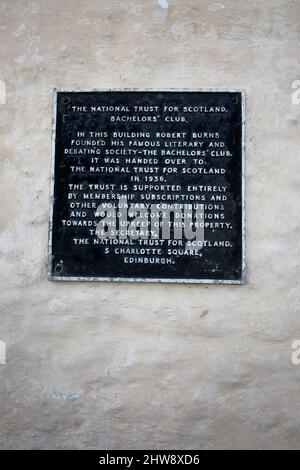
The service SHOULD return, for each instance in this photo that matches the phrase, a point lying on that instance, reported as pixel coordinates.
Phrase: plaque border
(241, 281)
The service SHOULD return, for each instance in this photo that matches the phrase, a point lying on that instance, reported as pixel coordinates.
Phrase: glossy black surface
(69, 260)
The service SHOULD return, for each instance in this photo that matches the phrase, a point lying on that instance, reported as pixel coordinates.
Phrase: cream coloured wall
(147, 365)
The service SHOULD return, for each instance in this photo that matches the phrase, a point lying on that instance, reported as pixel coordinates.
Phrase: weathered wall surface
(137, 365)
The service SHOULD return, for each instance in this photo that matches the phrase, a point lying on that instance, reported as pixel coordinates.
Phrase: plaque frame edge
(241, 281)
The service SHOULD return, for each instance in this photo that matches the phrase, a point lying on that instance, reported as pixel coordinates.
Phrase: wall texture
(136, 365)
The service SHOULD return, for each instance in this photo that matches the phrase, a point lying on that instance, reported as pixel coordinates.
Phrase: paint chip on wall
(164, 4)
(214, 7)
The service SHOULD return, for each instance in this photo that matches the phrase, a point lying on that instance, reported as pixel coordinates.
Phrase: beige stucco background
(102, 365)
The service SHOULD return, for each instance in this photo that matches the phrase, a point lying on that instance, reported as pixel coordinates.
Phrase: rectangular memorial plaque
(148, 186)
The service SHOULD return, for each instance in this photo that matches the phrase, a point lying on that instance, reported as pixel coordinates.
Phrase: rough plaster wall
(150, 366)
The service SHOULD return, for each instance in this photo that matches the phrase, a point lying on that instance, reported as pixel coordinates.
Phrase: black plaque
(117, 155)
